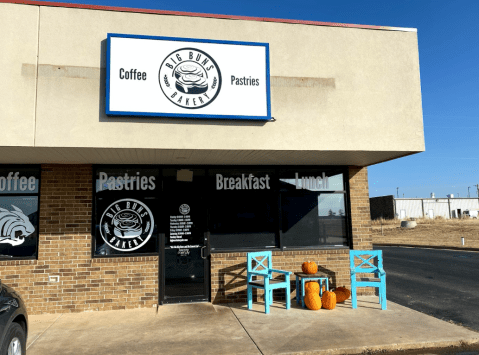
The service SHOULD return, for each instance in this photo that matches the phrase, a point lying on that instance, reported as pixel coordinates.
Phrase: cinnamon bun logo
(184, 209)
(126, 225)
(190, 78)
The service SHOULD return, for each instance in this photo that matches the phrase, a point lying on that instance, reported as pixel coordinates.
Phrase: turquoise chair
(263, 270)
(366, 265)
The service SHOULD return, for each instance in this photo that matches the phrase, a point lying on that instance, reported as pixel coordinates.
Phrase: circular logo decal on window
(190, 78)
(184, 209)
(126, 225)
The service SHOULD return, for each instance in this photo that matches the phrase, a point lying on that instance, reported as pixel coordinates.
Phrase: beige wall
(18, 66)
(360, 90)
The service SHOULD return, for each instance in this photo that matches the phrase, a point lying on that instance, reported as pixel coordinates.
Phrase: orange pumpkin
(309, 267)
(342, 294)
(329, 300)
(311, 286)
(312, 301)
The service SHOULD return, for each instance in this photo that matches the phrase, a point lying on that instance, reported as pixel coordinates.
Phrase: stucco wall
(18, 66)
(333, 88)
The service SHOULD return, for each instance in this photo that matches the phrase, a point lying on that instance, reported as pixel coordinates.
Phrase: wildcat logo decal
(15, 226)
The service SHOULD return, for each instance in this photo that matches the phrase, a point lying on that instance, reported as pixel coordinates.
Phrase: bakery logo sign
(127, 225)
(189, 78)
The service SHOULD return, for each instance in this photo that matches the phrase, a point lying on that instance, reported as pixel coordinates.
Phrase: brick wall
(131, 282)
(65, 250)
(228, 271)
(360, 214)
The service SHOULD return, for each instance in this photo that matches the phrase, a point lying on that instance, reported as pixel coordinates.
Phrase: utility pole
(468, 194)
(397, 192)
(477, 187)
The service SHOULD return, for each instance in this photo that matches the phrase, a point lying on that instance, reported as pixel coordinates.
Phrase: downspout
(449, 204)
(422, 205)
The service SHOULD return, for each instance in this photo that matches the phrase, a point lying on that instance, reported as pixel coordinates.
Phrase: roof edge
(197, 14)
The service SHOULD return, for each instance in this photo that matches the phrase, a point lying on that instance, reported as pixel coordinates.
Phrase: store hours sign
(179, 77)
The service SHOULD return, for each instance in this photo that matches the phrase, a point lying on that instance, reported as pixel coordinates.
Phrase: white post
(462, 239)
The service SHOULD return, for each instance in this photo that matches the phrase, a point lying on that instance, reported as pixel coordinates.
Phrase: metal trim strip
(197, 14)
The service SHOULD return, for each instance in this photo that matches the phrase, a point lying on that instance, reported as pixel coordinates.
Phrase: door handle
(202, 254)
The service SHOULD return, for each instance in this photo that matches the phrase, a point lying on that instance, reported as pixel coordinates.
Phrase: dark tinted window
(125, 211)
(243, 209)
(313, 219)
(313, 208)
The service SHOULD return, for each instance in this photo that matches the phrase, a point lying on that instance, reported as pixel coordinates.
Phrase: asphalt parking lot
(441, 283)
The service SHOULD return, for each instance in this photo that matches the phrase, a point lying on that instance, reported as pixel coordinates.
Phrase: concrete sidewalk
(204, 328)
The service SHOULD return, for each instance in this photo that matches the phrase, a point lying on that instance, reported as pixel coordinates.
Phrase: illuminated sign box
(182, 77)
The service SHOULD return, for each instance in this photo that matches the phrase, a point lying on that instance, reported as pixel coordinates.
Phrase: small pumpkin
(328, 300)
(309, 267)
(311, 286)
(342, 294)
(312, 301)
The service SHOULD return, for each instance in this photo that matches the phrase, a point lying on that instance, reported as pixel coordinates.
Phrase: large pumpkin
(312, 301)
(311, 286)
(328, 300)
(342, 294)
(309, 267)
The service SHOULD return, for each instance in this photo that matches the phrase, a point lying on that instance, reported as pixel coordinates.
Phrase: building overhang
(68, 155)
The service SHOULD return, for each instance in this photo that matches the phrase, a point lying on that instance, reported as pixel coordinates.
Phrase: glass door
(184, 261)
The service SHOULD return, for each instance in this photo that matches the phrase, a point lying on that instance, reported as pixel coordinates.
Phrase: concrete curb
(388, 347)
(424, 246)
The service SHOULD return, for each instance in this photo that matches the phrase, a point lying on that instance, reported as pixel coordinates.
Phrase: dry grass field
(438, 232)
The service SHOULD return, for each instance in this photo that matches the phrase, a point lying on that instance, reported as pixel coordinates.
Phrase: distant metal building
(389, 207)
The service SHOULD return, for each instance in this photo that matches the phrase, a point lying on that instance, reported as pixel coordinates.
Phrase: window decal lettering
(311, 182)
(14, 182)
(126, 182)
(245, 182)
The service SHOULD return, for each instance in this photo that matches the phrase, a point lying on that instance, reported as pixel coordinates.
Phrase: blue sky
(448, 34)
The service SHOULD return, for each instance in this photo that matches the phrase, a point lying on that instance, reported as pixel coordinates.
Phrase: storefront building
(131, 178)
